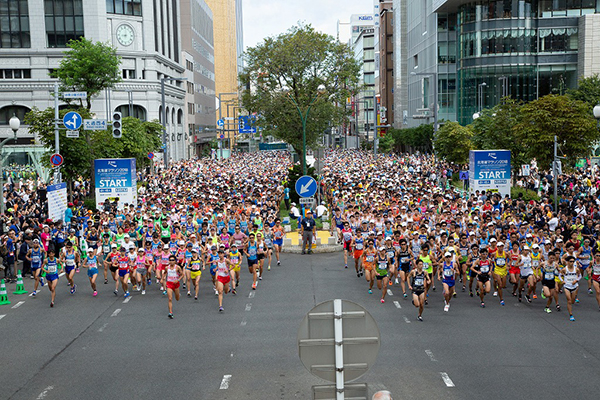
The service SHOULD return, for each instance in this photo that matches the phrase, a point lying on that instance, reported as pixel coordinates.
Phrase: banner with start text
(115, 179)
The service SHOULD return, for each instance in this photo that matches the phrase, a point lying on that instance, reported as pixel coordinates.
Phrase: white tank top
(570, 278)
(172, 275)
(222, 269)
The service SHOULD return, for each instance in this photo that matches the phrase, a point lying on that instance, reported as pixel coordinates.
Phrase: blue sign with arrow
(306, 186)
(220, 123)
(72, 120)
(464, 175)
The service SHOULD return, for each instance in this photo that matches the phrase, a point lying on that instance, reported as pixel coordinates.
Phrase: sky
(264, 18)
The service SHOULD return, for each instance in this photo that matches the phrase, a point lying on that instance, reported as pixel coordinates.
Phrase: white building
(146, 33)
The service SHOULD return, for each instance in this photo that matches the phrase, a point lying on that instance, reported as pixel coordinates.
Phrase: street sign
(220, 123)
(306, 186)
(73, 134)
(151, 155)
(307, 201)
(56, 160)
(72, 120)
(525, 170)
(464, 175)
(228, 118)
(94, 124)
(338, 341)
(247, 124)
(74, 95)
(221, 136)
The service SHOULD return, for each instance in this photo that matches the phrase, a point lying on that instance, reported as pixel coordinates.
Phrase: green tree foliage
(570, 120)
(417, 138)
(293, 174)
(588, 91)
(300, 59)
(90, 67)
(386, 143)
(139, 138)
(453, 142)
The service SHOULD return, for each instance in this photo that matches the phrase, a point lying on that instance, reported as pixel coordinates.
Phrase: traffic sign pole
(339, 349)
(57, 176)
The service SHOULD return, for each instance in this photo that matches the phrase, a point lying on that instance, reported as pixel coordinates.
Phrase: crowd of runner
(396, 216)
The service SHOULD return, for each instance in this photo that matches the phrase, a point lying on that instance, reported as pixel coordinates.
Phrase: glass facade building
(521, 48)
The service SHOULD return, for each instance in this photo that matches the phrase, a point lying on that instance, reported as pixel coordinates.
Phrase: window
(139, 112)
(124, 7)
(369, 41)
(369, 79)
(64, 21)
(14, 24)
(190, 87)
(416, 61)
(190, 108)
(15, 74)
(369, 55)
(6, 113)
(189, 65)
(129, 74)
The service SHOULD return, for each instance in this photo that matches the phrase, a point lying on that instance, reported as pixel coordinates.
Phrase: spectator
(309, 229)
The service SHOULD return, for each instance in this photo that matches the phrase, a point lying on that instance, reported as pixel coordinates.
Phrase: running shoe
(464, 288)
(382, 301)
(254, 286)
(454, 294)
(116, 292)
(420, 318)
(543, 295)
(345, 265)
(358, 274)
(572, 318)
(95, 293)
(426, 303)
(72, 291)
(495, 294)
(195, 297)
(433, 288)
(216, 292)
(482, 304)
(126, 295)
(396, 281)
(501, 302)
(143, 292)
(42, 281)
(77, 270)
(74, 287)
(268, 268)
(189, 293)
(514, 294)
(446, 307)
(557, 307)
(149, 282)
(106, 281)
(279, 263)
(184, 285)
(528, 298)
(233, 291)
(471, 294)
(390, 283)
(370, 291)
(221, 309)
(164, 292)
(548, 310)
(590, 291)
(33, 294)
(520, 297)
(535, 296)
(51, 304)
(171, 315)
(162, 288)
(577, 300)
(405, 295)
(260, 277)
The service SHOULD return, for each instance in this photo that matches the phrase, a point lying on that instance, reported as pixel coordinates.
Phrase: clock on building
(125, 34)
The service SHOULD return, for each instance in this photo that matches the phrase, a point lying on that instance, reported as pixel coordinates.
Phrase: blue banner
(490, 170)
(115, 180)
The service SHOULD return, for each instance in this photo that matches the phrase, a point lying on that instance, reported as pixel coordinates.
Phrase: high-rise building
(483, 50)
(146, 33)
(197, 38)
(228, 42)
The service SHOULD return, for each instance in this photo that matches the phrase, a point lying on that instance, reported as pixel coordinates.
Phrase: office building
(146, 33)
(484, 50)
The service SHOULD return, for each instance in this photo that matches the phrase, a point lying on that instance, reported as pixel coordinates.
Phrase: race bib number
(500, 262)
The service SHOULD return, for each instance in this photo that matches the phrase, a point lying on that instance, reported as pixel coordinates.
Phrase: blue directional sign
(72, 120)
(247, 124)
(464, 175)
(220, 123)
(306, 186)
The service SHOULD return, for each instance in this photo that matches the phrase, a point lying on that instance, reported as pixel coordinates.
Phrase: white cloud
(264, 18)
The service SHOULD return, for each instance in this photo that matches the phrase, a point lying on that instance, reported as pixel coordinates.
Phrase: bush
(526, 195)
(90, 204)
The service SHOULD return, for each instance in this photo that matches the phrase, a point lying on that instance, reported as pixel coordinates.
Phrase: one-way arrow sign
(306, 186)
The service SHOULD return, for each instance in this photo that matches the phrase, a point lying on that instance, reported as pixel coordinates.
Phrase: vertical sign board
(115, 178)
(490, 170)
(57, 201)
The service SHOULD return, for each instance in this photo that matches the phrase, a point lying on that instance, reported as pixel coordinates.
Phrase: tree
(570, 120)
(495, 129)
(90, 67)
(299, 60)
(588, 91)
(453, 142)
(386, 143)
(418, 138)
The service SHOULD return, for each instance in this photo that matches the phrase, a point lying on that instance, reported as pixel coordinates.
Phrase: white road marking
(19, 304)
(127, 300)
(406, 319)
(430, 354)
(447, 379)
(231, 355)
(243, 323)
(45, 392)
(116, 312)
(251, 295)
(248, 306)
(2, 316)
(225, 382)
(389, 292)
(397, 304)
(103, 327)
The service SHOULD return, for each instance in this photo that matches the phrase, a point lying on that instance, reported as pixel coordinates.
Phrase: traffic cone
(20, 288)
(3, 295)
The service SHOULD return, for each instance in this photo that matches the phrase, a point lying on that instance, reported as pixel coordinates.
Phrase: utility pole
(57, 176)
(555, 175)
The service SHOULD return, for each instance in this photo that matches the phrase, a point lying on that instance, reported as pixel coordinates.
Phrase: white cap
(381, 248)
(559, 240)
(500, 243)
(447, 254)
(492, 240)
(529, 235)
(114, 245)
(535, 246)
(526, 248)
(181, 242)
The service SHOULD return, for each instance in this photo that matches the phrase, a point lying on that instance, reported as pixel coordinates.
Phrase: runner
(278, 236)
(224, 267)
(527, 276)
(346, 236)
(251, 254)
(382, 268)
(417, 280)
(571, 275)
(236, 259)
(549, 270)
(482, 268)
(196, 268)
(499, 271)
(594, 272)
(405, 261)
(35, 255)
(70, 259)
(447, 274)
(141, 265)
(51, 267)
(111, 261)
(91, 263)
(123, 266)
(368, 262)
(358, 244)
(173, 274)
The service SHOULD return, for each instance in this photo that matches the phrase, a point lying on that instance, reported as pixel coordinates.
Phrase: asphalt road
(101, 348)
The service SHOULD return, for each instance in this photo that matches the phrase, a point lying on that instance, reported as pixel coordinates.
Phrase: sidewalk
(325, 243)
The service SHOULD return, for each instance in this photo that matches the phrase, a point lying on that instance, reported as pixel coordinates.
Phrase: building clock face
(125, 35)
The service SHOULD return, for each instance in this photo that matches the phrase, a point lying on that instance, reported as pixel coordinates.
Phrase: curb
(318, 249)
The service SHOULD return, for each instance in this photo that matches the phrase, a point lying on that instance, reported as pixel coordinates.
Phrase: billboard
(490, 171)
(115, 179)
(57, 201)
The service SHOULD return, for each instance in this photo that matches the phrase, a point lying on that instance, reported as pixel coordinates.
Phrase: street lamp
(435, 97)
(164, 116)
(304, 117)
(479, 100)
(14, 124)
(597, 112)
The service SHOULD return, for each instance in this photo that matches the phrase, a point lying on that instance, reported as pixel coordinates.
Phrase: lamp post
(435, 97)
(164, 116)
(479, 100)
(304, 117)
(14, 124)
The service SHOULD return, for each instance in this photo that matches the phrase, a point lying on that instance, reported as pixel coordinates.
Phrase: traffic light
(116, 125)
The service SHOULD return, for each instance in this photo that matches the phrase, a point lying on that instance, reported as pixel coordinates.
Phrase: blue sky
(263, 18)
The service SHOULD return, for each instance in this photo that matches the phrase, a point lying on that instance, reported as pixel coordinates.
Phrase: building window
(64, 21)
(190, 87)
(6, 113)
(14, 24)
(416, 61)
(190, 108)
(139, 112)
(15, 74)
(124, 7)
(189, 65)
(129, 74)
